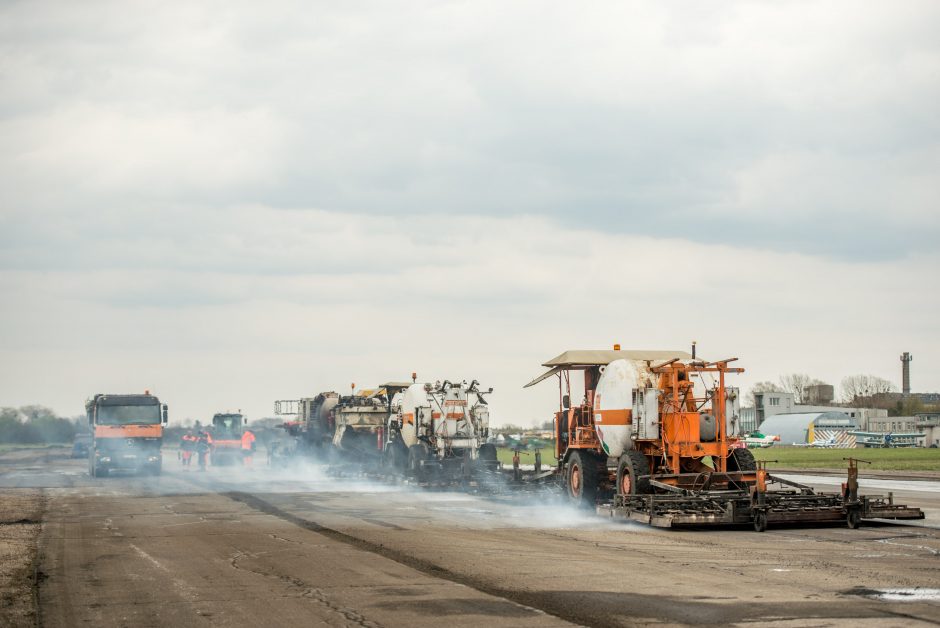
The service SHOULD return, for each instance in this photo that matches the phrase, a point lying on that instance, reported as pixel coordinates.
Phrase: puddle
(900, 595)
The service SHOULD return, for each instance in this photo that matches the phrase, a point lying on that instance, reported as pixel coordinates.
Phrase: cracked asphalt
(232, 548)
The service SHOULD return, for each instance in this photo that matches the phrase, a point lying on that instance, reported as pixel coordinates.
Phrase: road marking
(180, 585)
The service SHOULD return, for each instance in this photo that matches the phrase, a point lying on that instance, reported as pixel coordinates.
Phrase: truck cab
(127, 433)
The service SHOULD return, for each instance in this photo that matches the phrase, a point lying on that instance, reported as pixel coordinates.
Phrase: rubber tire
(853, 519)
(581, 479)
(487, 456)
(417, 453)
(396, 458)
(760, 521)
(742, 460)
(633, 464)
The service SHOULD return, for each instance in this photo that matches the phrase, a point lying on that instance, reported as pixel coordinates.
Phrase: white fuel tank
(414, 399)
(613, 404)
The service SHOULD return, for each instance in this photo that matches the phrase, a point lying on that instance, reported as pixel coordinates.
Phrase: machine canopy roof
(589, 357)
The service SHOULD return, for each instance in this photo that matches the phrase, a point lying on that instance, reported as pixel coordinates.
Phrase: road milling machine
(439, 432)
(341, 428)
(655, 438)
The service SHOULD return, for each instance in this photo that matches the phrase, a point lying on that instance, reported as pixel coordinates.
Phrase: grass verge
(906, 459)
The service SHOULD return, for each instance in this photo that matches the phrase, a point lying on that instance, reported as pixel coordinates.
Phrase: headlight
(105, 458)
(153, 458)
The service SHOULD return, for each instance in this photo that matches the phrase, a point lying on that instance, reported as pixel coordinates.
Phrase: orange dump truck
(127, 433)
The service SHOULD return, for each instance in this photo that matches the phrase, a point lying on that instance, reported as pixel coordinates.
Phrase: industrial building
(929, 424)
(769, 404)
(806, 428)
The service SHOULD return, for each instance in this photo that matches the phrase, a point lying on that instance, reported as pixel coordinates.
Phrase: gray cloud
(260, 199)
(802, 127)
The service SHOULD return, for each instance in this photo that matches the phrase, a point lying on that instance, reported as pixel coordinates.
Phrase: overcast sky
(235, 202)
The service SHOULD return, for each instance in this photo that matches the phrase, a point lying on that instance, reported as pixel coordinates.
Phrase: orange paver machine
(655, 438)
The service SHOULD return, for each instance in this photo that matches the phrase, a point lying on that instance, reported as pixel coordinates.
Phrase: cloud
(235, 202)
(729, 124)
(231, 318)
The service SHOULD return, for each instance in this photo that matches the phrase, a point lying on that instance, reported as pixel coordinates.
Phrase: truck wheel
(853, 519)
(742, 460)
(632, 465)
(581, 478)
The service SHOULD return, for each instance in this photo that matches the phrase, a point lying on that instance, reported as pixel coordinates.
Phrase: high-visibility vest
(247, 439)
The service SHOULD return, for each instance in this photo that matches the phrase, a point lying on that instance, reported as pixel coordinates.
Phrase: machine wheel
(416, 454)
(581, 478)
(487, 456)
(853, 519)
(632, 465)
(742, 460)
(760, 521)
(396, 457)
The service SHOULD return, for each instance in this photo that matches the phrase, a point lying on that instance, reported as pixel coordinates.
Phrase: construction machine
(341, 428)
(655, 438)
(439, 432)
(359, 422)
(645, 415)
(226, 431)
(127, 433)
(311, 427)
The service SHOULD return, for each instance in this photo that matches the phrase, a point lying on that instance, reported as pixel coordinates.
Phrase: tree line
(34, 425)
(855, 391)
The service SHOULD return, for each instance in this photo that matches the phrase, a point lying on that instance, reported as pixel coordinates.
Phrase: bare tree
(761, 387)
(857, 388)
(797, 383)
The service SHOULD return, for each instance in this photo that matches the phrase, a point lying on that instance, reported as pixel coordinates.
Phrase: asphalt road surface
(261, 548)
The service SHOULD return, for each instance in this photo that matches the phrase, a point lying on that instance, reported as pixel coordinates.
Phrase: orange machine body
(676, 448)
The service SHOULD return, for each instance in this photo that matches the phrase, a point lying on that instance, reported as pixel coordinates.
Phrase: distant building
(929, 424)
(893, 424)
(770, 404)
(819, 394)
(803, 428)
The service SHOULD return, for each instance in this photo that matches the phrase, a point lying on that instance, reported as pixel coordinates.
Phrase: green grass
(899, 459)
(906, 459)
(504, 455)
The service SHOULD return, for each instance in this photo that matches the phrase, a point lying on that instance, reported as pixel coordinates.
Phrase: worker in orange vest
(248, 448)
(187, 447)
